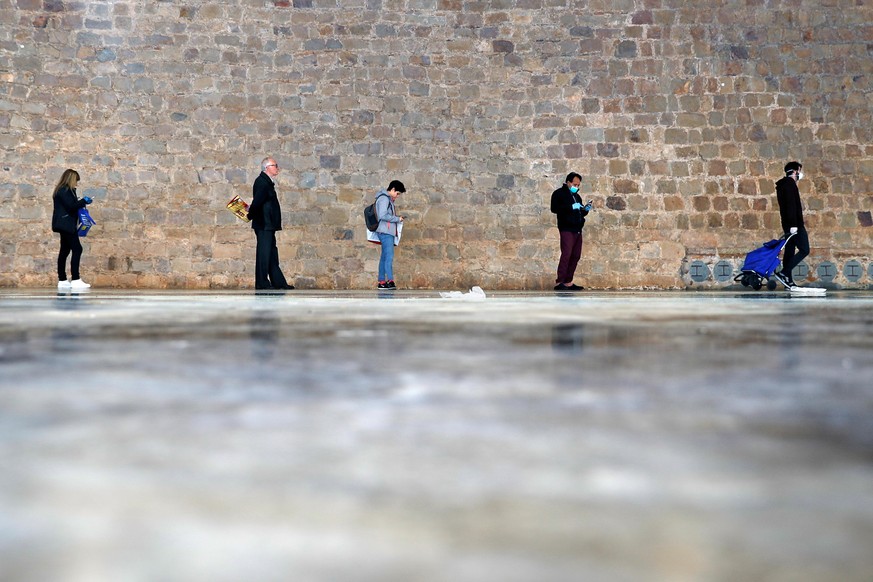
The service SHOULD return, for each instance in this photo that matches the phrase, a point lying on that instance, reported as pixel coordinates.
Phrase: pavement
(403, 436)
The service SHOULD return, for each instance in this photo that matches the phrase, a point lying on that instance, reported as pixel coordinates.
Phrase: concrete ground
(331, 436)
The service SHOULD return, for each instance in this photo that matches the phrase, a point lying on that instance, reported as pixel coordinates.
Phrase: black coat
(569, 219)
(265, 212)
(790, 209)
(65, 215)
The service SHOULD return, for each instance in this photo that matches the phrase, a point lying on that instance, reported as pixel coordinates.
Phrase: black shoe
(285, 287)
(390, 284)
(561, 287)
(786, 281)
(382, 285)
(575, 287)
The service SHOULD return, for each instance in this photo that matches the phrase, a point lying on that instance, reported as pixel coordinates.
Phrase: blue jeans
(386, 260)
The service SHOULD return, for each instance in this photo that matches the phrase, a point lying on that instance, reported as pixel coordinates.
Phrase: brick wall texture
(679, 114)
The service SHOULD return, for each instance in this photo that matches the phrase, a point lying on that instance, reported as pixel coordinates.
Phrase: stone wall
(679, 115)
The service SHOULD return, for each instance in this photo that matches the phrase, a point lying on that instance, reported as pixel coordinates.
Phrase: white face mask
(800, 175)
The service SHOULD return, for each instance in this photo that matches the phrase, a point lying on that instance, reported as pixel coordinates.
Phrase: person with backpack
(571, 213)
(65, 213)
(791, 215)
(387, 231)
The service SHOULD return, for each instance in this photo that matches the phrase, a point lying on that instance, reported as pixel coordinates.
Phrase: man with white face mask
(791, 212)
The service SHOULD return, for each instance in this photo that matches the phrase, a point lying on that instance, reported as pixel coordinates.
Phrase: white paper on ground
(474, 293)
(808, 291)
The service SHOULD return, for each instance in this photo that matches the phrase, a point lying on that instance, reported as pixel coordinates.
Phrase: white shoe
(63, 285)
(79, 285)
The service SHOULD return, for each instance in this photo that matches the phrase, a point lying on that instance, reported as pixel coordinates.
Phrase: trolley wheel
(771, 285)
(756, 284)
(745, 281)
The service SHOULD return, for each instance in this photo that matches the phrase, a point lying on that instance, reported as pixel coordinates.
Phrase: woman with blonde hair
(64, 221)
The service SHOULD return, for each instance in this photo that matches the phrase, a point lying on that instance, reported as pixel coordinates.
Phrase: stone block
(96, 24)
(438, 216)
(666, 187)
(573, 151)
(502, 46)
(720, 203)
(674, 204)
(616, 203)
(330, 162)
(778, 116)
(623, 186)
(505, 181)
(419, 89)
(691, 120)
(737, 167)
(642, 17)
(751, 221)
(626, 49)
(675, 136)
(607, 150)
(747, 187)
(617, 167)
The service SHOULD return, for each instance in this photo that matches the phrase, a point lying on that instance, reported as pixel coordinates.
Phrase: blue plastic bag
(85, 222)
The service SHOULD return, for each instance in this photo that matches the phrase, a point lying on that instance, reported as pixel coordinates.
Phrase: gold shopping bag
(239, 207)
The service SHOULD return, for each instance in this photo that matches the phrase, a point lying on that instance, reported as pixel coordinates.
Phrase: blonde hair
(66, 180)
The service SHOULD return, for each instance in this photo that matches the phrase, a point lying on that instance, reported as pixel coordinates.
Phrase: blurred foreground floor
(611, 437)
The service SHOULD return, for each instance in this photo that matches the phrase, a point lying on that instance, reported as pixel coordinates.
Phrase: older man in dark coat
(266, 216)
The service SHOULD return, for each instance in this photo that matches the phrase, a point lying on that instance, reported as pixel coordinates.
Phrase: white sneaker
(79, 285)
(63, 285)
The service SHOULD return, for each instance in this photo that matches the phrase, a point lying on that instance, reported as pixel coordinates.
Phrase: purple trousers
(571, 250)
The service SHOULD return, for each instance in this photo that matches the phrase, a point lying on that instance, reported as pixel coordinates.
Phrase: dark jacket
(265, 212)
(569, 220)
(790, 209)
(65, 215)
